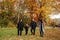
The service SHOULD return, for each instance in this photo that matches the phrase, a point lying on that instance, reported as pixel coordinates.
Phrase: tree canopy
(12, 10)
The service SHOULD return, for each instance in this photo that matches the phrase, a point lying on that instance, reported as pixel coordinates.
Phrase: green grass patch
(11, 34)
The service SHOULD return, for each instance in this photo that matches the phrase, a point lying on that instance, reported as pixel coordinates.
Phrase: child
(26, 29)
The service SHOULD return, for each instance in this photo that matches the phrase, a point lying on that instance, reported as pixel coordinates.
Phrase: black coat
(33, 24)
(20, 25)
(26, 27)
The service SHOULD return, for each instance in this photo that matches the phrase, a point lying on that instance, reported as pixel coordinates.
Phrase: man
(33, 26)
(41, 25)
(20, 26)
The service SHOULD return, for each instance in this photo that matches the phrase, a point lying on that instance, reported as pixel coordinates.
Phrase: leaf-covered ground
(11, 34)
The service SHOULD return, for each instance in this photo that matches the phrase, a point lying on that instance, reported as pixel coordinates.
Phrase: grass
(11, 34)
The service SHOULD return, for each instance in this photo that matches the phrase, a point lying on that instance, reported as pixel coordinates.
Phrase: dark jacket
(26, 26)
(33, 24)
(20, 25)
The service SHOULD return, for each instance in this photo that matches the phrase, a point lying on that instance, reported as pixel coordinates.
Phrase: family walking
(32, 25)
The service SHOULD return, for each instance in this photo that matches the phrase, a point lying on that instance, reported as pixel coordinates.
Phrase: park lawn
(11, 34)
